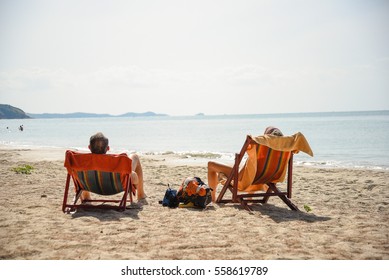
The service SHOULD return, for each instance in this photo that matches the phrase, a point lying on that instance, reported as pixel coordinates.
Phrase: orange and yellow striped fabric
(271, 165)
(263, 165)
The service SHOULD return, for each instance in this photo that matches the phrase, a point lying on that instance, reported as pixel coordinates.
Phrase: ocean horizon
(355, 139)
(150, 114)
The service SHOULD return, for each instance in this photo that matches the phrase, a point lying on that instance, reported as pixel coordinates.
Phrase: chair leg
(287, 201)
(72, 207)
(65, 196)
(123, 202)
(245, 205)
(266, 198)
(77, 196)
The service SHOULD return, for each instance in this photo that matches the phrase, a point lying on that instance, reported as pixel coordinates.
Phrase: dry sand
(349, 218)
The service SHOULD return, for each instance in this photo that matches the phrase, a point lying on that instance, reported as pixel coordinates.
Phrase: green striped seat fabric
(99, 182)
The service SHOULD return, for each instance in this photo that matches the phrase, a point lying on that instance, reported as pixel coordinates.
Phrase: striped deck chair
(269, 159)
(104, 175)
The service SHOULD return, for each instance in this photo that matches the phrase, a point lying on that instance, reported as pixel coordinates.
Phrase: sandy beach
(349, 218)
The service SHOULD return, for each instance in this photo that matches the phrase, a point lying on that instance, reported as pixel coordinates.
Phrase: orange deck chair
(269, 159)
(104, 175)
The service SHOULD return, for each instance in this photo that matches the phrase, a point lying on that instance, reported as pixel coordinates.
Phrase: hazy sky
(183, 57)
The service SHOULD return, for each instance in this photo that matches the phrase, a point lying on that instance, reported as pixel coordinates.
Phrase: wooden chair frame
(245, 198)
(116, 204)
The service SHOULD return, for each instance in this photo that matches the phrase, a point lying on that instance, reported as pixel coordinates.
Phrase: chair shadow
(282, 214)
(131, 211)
(197, 209)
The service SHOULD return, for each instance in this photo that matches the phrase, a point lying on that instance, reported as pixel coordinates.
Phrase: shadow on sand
(281, 214)
(131, 211)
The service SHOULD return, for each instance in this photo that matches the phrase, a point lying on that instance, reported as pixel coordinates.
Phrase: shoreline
(349, 218)
(33, 153)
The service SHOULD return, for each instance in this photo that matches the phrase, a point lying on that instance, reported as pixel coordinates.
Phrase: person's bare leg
(85, 196)
(214, 168)
(138, 179)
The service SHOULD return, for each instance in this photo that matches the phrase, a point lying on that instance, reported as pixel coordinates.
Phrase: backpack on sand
(170, 199)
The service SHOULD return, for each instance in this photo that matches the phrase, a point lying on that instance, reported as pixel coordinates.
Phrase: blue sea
(339, 139)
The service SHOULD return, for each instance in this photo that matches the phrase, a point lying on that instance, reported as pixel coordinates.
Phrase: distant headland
(92, 115)
(10, 112)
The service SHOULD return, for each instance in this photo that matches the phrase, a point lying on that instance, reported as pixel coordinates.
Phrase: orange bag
(194, 190)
